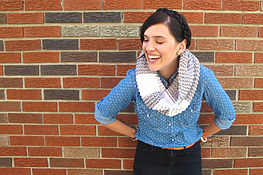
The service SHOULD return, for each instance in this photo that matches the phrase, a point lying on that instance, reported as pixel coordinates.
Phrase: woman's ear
(182, 46)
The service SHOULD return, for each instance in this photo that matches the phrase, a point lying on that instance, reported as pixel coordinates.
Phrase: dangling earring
(178, 53)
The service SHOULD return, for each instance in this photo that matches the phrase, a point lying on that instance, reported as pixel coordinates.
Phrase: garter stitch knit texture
(177, 97)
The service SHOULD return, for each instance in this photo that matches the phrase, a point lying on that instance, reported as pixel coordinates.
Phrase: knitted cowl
(177, 97)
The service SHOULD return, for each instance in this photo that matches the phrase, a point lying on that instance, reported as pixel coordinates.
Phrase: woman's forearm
(211, 130)
(121, 128)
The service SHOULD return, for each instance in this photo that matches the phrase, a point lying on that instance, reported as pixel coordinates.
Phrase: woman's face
(161, 49)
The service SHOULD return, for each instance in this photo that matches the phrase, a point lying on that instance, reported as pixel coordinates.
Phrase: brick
(234, 130)
(62, 141)
(251, 95)
(246, 141)
(155, 4)
(233, 57)
(27, 140)
(2, 18)
(49, 171)
(25, 70)
(78, 57)
(45, 151)
(251, 70)
(80, 31)
(120, 31)
(206, 172)
(240, 5)
(58, 118)
(11, 32)
(215, 44)
(123, 4)
(103, 131)
(253, 18)
(258, 107)
(81, 152)
(16, 171)
(129, 44)
(204, 31)
(126, 142)
(2, 95)
(60, 44)
(122, 69)
(255, 152)
(76, 107)
(249, 45)
(255, 171)
(46, 5)
(242, 107)
(223, 18)
(104, 70)
(13, 151)
(236, 82)
(24, 118)
(84, 171)
(5, 162)
(58, 70)
(118, 153)
(42, 31)
(130, 119)
(42, 83)
(109, 82)
(102, 17)
(248, 162)
(85, 119)
(77, 130)
(217, 163)
(117, 57)
(30, 162)
(25, 18)
(13, 5)
(260, 33)
(136, 17)
(206, 153)
(1, 45)
(82, 4)
(39, 106)
(10, 106)
(66, 162)
(99, 141)
(41, 130)
(258, 57)
(238, 31)
(222, 70)
(193, 17)
(22, 45)
(63, 17)
(23, 94)
(255, 130)
(205, 56)
(249, 119)
(4, 141)
(10, 57)
(81, 82)
(1, 70)
(258, 82)
(41, 57)
(128, 164)
(3, 118)
(98, 44)
(118, 172)
(60, 94)
(231, 172)
(203, 5)
(11, 129)
(103, 163)
(94, 94)
(229, 152)
(217, 142)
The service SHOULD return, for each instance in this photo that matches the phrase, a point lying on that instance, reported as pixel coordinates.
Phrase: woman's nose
(150, 46)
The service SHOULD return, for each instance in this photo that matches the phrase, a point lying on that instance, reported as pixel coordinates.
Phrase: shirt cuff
(101, 118)
(223, 124)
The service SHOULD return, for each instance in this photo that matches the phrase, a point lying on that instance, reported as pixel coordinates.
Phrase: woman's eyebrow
(156, 36)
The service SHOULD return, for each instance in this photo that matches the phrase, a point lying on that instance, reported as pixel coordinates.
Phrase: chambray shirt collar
(171, 79)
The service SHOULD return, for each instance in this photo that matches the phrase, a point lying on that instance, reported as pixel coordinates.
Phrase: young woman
(168, 86)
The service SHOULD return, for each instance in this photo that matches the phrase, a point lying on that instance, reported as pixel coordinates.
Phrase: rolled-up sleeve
(219, 101)
(118, 99)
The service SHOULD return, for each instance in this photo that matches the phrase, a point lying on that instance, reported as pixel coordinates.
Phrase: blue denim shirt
(164, 131)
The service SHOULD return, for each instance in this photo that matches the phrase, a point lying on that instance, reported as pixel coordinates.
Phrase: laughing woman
(168, 86)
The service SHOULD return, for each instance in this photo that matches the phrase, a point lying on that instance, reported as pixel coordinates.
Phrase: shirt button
(172, 139)
(169, 124)
(192, 110)
(148, 115)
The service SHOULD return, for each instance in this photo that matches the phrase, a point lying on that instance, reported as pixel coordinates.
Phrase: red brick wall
(58, 58)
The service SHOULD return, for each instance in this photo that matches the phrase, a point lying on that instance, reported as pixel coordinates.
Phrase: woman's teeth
(153, 57)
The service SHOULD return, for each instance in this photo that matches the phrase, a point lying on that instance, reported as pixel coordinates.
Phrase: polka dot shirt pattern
(163, 131)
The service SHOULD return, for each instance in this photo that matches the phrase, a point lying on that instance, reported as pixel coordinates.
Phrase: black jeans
(151, 160)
